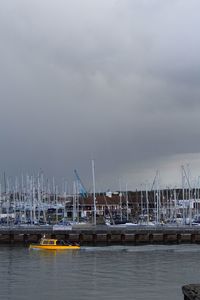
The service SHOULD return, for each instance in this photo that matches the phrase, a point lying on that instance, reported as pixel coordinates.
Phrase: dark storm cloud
(116, 81)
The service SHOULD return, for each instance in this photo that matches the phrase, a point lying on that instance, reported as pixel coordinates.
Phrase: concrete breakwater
(102, 235)
(191, 292)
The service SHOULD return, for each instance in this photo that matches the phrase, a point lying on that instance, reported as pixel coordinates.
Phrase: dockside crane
(82, 190)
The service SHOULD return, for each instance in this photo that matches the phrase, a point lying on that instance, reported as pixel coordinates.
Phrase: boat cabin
(51, 242)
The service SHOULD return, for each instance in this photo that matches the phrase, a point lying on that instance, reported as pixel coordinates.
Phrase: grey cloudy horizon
(111, 80)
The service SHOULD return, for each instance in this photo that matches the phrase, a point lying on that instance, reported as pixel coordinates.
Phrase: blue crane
(82, 190)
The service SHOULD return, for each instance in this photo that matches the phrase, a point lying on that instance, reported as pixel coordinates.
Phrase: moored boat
(54, 244)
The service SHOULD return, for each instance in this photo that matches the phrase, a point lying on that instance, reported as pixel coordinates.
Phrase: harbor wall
(102, 235)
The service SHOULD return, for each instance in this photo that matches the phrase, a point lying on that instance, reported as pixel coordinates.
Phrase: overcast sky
(117, 81)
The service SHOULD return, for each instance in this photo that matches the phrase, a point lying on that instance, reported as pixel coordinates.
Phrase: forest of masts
(30, 200)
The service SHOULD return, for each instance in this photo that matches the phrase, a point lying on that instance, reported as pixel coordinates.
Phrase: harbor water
(113, 272)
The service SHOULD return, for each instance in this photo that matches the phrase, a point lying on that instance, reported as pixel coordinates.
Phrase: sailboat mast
(94, 196)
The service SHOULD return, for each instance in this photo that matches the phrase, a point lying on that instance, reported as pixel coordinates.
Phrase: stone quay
(102, 235)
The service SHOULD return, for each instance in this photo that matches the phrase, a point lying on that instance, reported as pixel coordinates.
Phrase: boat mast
(0, 201)
(74, 215)
(127, 209)
(189, 194)
(141, 203)
(183, 195)
(147, 205)
(120, 200)
(94, 196)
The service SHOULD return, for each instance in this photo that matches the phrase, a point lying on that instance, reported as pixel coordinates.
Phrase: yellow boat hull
(54, 247)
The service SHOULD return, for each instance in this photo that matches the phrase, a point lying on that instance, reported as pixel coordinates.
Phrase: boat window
(60, 242)
(51, 242)
(45, 242)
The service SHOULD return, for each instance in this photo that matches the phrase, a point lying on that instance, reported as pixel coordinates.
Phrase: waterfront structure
(34, 200)
(88, 234)
(142, 206)
(191, 292)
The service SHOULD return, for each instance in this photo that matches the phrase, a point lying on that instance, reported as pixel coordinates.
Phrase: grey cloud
(112, 80)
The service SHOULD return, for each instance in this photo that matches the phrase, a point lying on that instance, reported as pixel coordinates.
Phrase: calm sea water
(115, 272)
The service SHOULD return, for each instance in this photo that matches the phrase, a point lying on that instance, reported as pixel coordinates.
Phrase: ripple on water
(114, 272)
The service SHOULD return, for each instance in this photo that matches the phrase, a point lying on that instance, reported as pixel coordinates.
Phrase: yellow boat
(54, 244)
